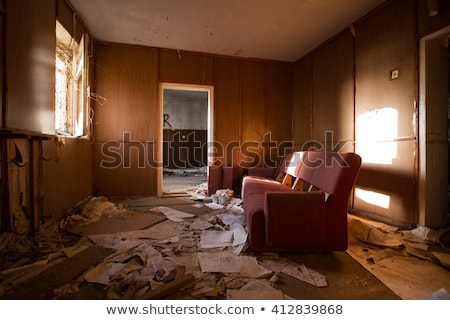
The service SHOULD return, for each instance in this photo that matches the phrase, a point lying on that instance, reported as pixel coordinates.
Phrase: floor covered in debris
(186, 245)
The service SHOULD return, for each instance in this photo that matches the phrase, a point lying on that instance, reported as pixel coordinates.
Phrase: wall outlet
(394, 74)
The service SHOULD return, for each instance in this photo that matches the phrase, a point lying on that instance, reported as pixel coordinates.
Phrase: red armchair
(281, 219)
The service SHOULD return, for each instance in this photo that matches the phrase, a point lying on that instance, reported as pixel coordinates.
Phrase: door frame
(431, 211)
(210, 134)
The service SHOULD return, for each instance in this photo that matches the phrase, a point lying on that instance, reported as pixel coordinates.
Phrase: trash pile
(161, 253)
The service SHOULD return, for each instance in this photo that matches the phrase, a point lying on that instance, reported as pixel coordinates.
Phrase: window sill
(6, 133)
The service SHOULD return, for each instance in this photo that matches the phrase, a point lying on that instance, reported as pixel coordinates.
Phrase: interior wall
(227, 82)
(30, 65)
(126, 124)
(302, 102)
(253, 110)
(333, 94)
(60, 174)
(385, 110)
(346, 87)
(252, 103)
(386, 113)
(66, 174)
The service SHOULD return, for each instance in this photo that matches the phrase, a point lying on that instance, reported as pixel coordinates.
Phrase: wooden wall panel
(385, 109)
(125, 169)
(302, 102)
(253, 111)
(386, 41)
(333, 98)
(386, 191)
(67, 174)
(130, 92)
(227, 102)
(278, 117)
(183, 67)
(253, 102)
(129, 117)
(227, 110)
(278, 100)
(30, 65)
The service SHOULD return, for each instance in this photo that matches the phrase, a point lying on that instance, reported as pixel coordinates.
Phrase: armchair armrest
(295, 219)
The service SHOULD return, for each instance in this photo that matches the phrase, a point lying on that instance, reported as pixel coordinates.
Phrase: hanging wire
(97, 98)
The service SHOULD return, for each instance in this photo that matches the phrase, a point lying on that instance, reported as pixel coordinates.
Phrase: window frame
(74, 110)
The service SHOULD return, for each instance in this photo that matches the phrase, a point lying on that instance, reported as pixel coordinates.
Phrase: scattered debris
(401, 256)
(295, 270)
(443, 258)
(256, 290)
(172, 214)
(441, 294)
(157, 253)
(370, 233)
(162, 252)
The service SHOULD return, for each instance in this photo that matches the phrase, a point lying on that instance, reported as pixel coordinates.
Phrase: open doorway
(186, 133)
(434, 134)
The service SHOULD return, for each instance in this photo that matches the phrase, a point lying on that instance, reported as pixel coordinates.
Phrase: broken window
(70, 84)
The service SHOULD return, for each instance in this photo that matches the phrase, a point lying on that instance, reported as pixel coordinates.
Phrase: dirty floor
(183, 246)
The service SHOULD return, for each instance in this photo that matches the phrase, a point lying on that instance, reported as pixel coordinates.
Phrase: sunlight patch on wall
(376, 131)
(374, 198)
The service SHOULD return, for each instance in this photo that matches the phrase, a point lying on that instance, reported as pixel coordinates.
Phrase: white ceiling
(282, 30)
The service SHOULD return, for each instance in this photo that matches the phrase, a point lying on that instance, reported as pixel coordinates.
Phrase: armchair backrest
(291, 163)
(335, 174)
(332, 172)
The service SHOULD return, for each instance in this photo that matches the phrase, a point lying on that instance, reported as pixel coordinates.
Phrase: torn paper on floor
(259, 289)
(239, 235)
(216, 239)
(172, 214)
(229, 219)
(220, 239)
(214, 206)
(306, 274)
(161, 231)
(103, 272)
(198, 194)
(228, 262)
(200, 224)
(298, 271)
(188, 261)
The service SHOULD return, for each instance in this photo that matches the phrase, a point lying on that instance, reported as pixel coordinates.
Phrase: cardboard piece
(121, 222)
